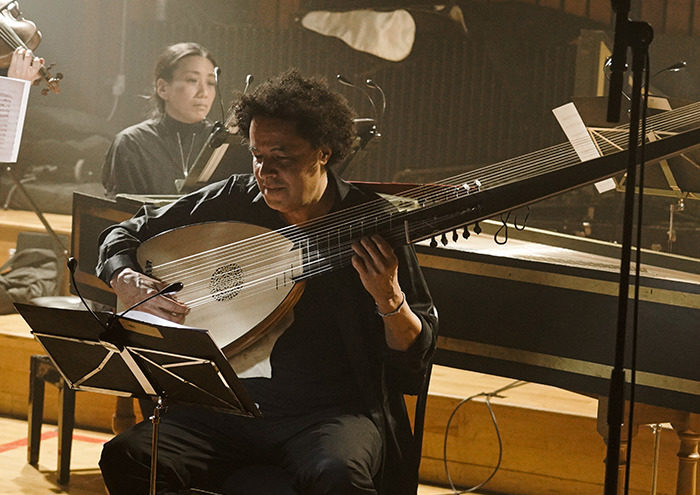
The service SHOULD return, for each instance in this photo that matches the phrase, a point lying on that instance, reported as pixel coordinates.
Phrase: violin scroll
(51, 81)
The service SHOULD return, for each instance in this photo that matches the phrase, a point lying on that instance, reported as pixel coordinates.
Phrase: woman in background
(148, 157)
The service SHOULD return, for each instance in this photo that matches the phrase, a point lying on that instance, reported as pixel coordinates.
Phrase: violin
(15, 32)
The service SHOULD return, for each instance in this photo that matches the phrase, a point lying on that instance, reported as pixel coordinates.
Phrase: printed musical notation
(14, 94)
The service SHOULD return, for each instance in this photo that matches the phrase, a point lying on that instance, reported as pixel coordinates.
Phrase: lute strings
(194, 270)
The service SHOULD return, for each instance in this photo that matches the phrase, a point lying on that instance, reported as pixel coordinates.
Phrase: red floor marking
(85, 438)
(22, 442)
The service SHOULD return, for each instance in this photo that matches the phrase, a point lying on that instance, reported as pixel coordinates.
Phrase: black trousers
(199, 448)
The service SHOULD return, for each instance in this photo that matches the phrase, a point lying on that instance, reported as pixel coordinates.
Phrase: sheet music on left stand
(14, 95)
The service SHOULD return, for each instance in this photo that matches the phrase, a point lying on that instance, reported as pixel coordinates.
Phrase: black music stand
(131, 358)
(673, 177)
(207, 160)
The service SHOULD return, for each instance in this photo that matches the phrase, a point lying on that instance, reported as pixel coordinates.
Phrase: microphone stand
(636, 36)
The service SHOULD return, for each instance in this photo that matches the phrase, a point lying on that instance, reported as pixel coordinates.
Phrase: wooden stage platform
(550, 443)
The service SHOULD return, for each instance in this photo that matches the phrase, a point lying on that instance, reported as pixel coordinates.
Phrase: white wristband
(398, 308)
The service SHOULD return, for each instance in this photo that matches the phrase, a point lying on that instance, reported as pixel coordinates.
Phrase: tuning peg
(433, 242)
(455, 235)
(443, 239)
(465, 233)
(477, 228)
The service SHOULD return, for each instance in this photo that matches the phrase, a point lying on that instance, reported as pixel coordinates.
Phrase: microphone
(677, 67)
(248, 79)
(170, 289)
(367, 128)
(344, 81)
(73, 264)
(347, 83)
(217, 74)
(110, 335)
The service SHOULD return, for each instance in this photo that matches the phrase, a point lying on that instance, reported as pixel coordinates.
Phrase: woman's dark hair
(167, 63)
(321, 116)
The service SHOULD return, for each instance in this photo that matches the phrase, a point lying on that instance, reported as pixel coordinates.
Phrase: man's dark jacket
(383, 375)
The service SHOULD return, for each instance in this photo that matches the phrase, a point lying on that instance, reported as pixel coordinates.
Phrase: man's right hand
(132, 287)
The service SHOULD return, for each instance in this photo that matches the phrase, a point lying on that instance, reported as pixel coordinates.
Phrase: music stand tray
(138, 359)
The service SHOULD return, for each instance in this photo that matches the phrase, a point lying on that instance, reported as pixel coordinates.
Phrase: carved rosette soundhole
(225, 282)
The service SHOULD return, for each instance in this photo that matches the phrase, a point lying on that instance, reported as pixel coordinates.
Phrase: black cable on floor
(487, 395)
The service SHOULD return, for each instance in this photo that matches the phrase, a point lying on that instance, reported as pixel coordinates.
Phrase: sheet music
(572, 124)
(135, 314)
(14, 95)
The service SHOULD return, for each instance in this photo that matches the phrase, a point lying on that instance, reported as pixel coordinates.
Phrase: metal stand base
(155, 420)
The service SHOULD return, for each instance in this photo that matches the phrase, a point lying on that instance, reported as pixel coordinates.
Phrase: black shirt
(148, 157)
(310, 367)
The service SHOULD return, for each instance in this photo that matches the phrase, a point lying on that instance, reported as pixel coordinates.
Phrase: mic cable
(372, 84)
(220, 132)
(72, 264)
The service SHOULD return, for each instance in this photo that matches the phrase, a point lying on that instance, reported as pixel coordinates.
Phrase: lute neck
(426, 211)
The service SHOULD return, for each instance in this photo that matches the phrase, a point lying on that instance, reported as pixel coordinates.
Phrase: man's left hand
(377, 265)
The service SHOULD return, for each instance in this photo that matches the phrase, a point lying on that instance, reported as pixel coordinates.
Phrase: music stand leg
(640, 34)
(155, 420)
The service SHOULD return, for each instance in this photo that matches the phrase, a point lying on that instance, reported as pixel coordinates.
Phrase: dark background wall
(458, 101)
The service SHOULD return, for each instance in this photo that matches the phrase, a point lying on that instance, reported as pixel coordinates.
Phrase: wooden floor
(16, 476)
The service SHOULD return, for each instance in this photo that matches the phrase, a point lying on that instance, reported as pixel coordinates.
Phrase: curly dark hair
(322, 117)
